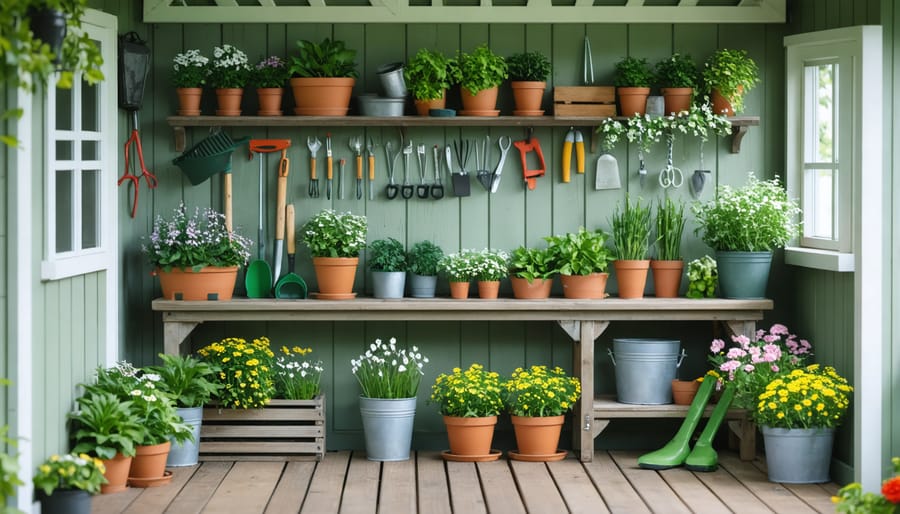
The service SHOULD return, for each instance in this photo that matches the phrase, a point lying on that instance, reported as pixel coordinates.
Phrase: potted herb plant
(323, 75)
(668, 265)
(633, 79)
(528, 74)
(389, 378)
(228, 74)
(428, 76)
(470, 401)
(191, 383)
(703, 278)
(582, 259)
(481, 73)
(460, 270)
(189, 73)
(387, 261)
(423, 265)
(677, 78)
(531, 272)
(744, 225)
(334, 241)
(269, 76)
(729, 75)
(65, 483)
(631, 234)
(490, 266)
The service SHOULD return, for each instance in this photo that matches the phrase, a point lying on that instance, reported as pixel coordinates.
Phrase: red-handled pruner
(531, 144)
(145, 173)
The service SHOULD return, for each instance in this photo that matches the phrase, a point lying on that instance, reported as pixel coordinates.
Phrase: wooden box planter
(574, 101)
(282, 431)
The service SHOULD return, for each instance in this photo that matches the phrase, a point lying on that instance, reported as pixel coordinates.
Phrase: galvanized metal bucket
(645, 369)
(388, 427)
(188, 452)
(798, 455)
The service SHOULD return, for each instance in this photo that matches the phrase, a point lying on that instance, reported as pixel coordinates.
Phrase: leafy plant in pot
(631, 233)
(582, 259)
(269, 76)
(423, 265)
(728, 75)
(677, 78)
(334, 241)
(387, 261)
(481, 73)
(490, 266)
(668, 265)
(528, 74)
(189, 73)
(65, 483)
(460, 270)
(428, 75)
(633, 79)
(323, 76)
(531, 272)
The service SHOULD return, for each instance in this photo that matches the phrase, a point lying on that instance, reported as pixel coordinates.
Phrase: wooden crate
(575, 101)
(284, 430)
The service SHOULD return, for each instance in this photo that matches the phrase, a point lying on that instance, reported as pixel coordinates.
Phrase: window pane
(64, 150)
(89, 107)
(819, 204)
(89, 150)
(819, 121)
(90, 209)
(64, 228)
(63, 109)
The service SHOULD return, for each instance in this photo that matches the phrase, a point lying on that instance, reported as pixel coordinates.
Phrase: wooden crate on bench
(592, 101)
(284, 430)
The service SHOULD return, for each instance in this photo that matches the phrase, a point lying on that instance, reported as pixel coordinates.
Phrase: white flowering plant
(699, 121)
(611, 131)
(333, 234)
(194, 242)
(190, 69)
(230, 67)
(756, 217)
(644, 130)
(490, 265)
(460, 266)
(296, 377)
(386, 371)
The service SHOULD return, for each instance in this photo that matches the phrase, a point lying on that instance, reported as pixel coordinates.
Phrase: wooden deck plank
(465, 488)
(615, 489)
(649, 485)
(536, 486)
(157, 499)
(692, 491)
(116, 502)
(361, 485)
(434, 494)
(246, 488)
(810, 493)
(732, 492)
(327, 484)
(576, 487)
(398, 487)
(776, 496)
(498, 487)
(194, 496)
(291, 489)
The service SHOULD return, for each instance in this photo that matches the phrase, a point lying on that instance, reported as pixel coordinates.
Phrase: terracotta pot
(117, 469)
(539, 288)
(722, 105)
(489, 289)
(335, 275)
(229, 101)
(322, 96)
(470, 436)
(150, 460)
(210, 283)
(482, 102)
(631, 277)
(423, 106)
(633, 100)
(537, 436)
(269, 101)
(677, 99)
(584, 286)
(528, 96)
(667, 277)
(189, 100)
(459, 290)
(683, 391)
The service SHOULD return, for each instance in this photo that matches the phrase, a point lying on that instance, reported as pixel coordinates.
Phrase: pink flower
(736, 353)
(730, 366)
(779, 330)
(775, 368)
(769, 338)
(772, 353)
(742, 340)
(717, 345)
(749, 368)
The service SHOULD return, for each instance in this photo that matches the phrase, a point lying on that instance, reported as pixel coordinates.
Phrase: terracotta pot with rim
(117, 469)
(150, 460)
(470, 437)
(459, 290)
(721, 104)
(666, 277)
(683, 391)
(489, 289)
(189, 100)
(482, 103)
(591, 286)
(528, 95)
(270, 101)
(677, 99)
(423, 106)
(632, 100)
(335, 276)
(322, 96)
(210, 283)
(537, 436)
(229, 101)
(631, 276)
(539, 288)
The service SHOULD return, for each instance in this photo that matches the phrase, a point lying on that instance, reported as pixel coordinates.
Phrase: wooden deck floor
(346, 482)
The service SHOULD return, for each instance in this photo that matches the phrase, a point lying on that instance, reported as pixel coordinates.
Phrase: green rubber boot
(675, 451)
(703, 457)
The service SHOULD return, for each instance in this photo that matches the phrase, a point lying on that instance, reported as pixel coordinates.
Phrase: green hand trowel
(291, 285)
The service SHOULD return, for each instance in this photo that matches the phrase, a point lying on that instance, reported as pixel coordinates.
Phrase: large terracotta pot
(667, 277)
(537, 436)
(335, 275)
(150, 460)
(117, 469)
(470, 436)
(631, 276)
(539, 288)
(189, 100)
(210, 283)
(721, 104)
(677, 99)
(683, 391)
(459, 290)
(584, 286)
(482, 103)
(229, 101)
(528, 95)
(270, 101)
(633, 100)
(489, 289)
(322, 96)
(423, 106)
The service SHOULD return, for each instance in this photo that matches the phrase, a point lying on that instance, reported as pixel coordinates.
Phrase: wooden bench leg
(742, 433)
(599, 426)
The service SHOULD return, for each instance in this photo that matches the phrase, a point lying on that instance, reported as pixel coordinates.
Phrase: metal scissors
(670, 176)
(135, 180)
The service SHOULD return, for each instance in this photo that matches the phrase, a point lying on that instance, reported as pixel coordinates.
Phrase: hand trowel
(607, 173)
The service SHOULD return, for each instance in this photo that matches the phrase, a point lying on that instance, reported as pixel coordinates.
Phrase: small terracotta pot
(539, 288)
(210, 283)
(722, 105)
(633, 100)
(470, 436)
(528, 96)
(150, 460)
(667, 277)
(270, 101)
(677, 99)
(683, 391)
(631, 276)
(537, 436)
(423, 106)
(584, 286)
(229, 101)
(489, 289)
(117, 469)
(482, 102)
(459, 290)
(322, 96)
(189, 100)
(335, 275)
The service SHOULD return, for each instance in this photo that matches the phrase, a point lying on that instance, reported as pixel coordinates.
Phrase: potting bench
(583, 320)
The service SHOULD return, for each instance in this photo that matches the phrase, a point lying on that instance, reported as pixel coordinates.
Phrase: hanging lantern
(49, 26)
(134, 65)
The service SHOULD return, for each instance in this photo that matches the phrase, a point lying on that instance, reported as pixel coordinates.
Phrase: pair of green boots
(677, 452)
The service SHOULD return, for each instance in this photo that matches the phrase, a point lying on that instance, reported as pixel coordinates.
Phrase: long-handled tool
(370, 149)
(391, 189)
(504, 143)
(283, 168)
(341, 164)
(356, 145)
(422, 188)
(129, 176)
(329, 163)
(460, 180)
(437, 190)
(291, 285)
(313, 144)
(484, 175)
(407, 190)
(531, 144)
(258, 277)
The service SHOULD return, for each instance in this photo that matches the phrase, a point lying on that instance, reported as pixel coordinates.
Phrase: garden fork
(313, 144)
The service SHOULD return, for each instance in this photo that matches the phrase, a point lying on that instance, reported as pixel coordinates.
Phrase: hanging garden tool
(341, 164)
(329, 166)
(437, 190)
(128, 175)
(258, 277)
(573, 137)
(698, 179)
(391, 189)
(531, 144)
(134, 64)
(607, 176)
(291, 286)
(484, 176)
(407, 190)
(313, 144)
(422, 188)
(670, 176)
(460, 180)
(370, 149)
(504, 143)
(642, 170)
(356, 145)
(280, 202)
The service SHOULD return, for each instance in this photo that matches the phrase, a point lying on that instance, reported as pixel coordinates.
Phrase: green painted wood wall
(6, 364)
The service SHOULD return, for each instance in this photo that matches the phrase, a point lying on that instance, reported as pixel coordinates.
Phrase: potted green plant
(703, 278)
(323, 75)
(668, 264)
(470, 401)
(334, 241)
(423, 265)
(387, 261)
(460, 270)
(528, 72)
(65, 483)
(744, 225)
(633, 79)
(677, 78)
(191, 383)
(269, 76)
(582, 259)
(189, 73)
(296, 376)
(728, 75)
(631, 235)
(489, 267)
(428, 76)
(531, 272)
(481, 73)
(229, 72)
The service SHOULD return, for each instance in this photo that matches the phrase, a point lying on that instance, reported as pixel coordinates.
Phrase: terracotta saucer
(551, 457)
(494, 455)
(480, 113)
(332, 296)
(528, 113)
(151, 482)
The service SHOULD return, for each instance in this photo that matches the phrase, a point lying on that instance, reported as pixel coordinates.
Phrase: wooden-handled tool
(283, 169)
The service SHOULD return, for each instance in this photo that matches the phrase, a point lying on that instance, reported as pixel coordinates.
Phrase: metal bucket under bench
(583, 320)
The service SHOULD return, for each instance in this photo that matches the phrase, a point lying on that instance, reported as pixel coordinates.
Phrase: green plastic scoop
(291, 285)
(258, 278)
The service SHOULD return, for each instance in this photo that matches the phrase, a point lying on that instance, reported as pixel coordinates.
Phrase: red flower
(891, 489)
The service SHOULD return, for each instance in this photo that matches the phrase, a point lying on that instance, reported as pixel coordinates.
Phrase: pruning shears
(573, 137)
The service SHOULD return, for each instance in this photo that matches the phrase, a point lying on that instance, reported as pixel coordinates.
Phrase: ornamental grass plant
(540, 391)
(70, 471)
(333, 234)
(194, 241)
(631, 230)
(246, 371)
(387, 371)
(811, 397)
(473, 393)
(669, 229)
(296, 376)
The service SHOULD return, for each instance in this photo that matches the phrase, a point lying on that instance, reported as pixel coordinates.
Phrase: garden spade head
(698, 180)
(607, 173)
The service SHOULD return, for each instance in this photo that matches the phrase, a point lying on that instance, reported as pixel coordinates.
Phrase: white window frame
(59, 265)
